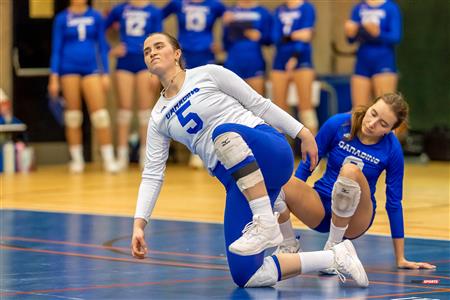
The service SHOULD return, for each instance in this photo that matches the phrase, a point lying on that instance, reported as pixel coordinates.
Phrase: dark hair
(396, 102)
(175, 45)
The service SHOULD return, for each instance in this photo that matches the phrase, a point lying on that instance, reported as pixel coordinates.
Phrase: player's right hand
(138, 244)
(309, 147)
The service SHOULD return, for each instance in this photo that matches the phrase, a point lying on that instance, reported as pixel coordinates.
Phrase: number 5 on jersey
(184, 120)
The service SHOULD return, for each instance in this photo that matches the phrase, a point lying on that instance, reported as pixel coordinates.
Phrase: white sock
(107, 153)
(122, 152)
(261, 206)
(316, 261)
(287, 231)
(336, 233)
(76, 153)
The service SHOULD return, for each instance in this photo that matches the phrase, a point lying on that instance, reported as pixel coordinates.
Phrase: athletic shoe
(111, 166)
(266, 275)
(257, 236)
(346, 262)
(76, 167)
(329, 271)
(288, 246)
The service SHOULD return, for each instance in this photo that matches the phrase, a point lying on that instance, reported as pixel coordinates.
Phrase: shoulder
(340, 119)
(94, 13)
(307, 6)
(395, 146)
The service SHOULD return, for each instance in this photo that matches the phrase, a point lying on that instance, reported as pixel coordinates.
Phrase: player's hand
(252, 34)
(309, 147)
(406, 264)
(291, 64)
(227, 17)
(53, 86)
(119, 50)
(372, 28)
(304, 35)
(350, 28)
(138, 244)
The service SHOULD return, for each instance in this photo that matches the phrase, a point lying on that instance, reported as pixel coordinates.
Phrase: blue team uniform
(195, 24)
(385, 155)
(78, 41)
(245, 57)
(377, 55)
(136, 23)
(286, 21)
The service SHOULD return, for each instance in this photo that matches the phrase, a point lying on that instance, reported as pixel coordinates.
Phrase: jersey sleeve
(393, 33)
(157, 152)
(266, 27)
(170, 8)
(232, 85)
(219, 9)
(277, 31)
(357, 19)
(103, 46)
(113, 16)
(308, 16)
(157, 20)
(394, 191)
(324, 139)
(57, 43)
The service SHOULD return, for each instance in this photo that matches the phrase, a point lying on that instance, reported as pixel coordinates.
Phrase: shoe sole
(272, 243)
(349, 246)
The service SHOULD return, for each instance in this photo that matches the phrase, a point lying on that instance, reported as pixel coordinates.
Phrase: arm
(393, 34)
(231, 84)
(103, 46)
(351, 26)
(266, 28)
(169, 9)
(157, 151)
(55, 59)
(112, 17)
(157, 20)
(308, 19)
(277, 29)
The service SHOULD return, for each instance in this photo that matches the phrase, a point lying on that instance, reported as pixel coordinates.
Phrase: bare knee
(351, 171)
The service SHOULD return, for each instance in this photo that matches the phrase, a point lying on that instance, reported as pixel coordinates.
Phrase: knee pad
(144, 116)
(73, 118)
(266, 275)
(100, 118)
(231, 149)
(124, 116)
(279, 205)
(309, 119)
(345, 197)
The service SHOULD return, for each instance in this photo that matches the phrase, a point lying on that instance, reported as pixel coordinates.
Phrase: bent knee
(351, 171)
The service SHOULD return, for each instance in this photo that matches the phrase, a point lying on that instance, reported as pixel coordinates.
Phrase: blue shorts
(246, 67)
(275, 159)
(284, 53)
(133, 63)
(324, 225)
(197, 59)
(370, 63)
(82, 70)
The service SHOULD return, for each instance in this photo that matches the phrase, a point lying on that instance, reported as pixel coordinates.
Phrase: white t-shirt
(210, 96)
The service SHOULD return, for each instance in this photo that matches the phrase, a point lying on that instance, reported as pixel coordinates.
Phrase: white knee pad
(309, 118)
(280, 205)
(345, 197)
(73, 118)
(266, 275)
(124, 116)
(144, 116)
(100, 118)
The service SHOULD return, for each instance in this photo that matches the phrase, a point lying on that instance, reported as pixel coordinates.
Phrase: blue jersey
(287, 20)
(195, 22)
(387, 16)
(136, 23)
(384, 155)
(78, 40)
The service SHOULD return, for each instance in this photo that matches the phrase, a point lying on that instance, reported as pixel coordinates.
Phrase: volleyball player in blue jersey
(376, 26)
(247, 27)
(292, 34)
(79, 65)
(196, 20)
(136, 19)
(359, 147)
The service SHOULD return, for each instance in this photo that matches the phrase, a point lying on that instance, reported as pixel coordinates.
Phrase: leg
(257, 83)
(384, 83)
(280, 83)
(303, 79)
(73, 118)
(147, 91)
(96, 101)
(361, 90)
(125, 87)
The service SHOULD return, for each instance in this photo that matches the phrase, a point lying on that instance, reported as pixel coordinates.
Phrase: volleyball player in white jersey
(223, 120)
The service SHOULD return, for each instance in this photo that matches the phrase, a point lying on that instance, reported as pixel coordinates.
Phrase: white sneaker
(195, 162)
(76, 167)
(266, 275)
(111, 166)
(288, 246)
(123, 163)
(257, 236)
(346, 262)
(329, 271)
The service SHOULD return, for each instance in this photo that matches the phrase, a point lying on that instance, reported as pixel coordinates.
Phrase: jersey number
(135, 26)
(81, 28)
(354, 160)
(195, 21)
(184, 120)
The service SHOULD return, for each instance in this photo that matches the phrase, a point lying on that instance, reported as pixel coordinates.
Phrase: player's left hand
(406, 264)
(309, 147)
(372, 28)
(252, 34)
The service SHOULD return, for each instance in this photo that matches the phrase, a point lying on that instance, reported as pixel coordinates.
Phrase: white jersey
(210, 96)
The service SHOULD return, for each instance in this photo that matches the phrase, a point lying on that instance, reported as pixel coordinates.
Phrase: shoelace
(341, 274)
(250, 227)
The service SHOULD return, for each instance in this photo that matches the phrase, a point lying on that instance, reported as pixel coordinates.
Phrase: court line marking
(401, 294)
(168, 218)
(118, 285)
